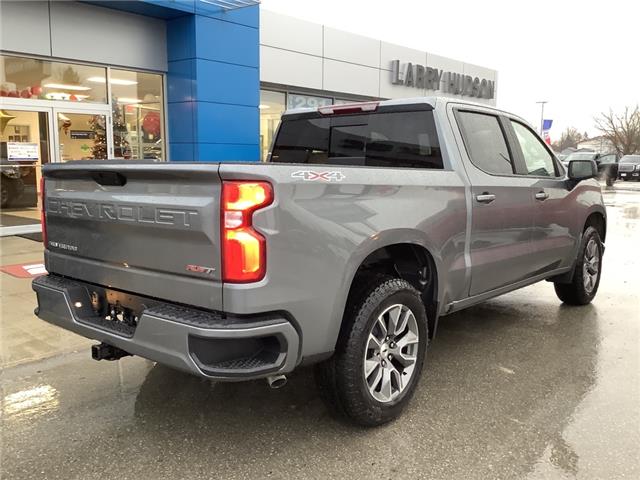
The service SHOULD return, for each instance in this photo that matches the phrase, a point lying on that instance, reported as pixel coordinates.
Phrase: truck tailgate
(147, 228)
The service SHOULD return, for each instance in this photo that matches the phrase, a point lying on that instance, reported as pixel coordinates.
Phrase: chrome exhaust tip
(276, 381)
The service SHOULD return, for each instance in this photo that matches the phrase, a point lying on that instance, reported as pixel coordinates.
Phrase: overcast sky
(582, 56)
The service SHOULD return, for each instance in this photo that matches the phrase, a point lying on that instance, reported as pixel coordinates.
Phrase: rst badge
(201, 269)
(311, 176)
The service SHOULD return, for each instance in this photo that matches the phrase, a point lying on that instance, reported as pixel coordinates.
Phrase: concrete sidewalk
(23, 337)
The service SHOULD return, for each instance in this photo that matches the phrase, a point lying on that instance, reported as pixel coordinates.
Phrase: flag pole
(542, 103)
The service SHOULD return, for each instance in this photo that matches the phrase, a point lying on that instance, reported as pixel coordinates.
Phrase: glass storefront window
(31, 78)
(295, 100)
(339, 101)
(24, 148)
(272, 106)
(138, 123)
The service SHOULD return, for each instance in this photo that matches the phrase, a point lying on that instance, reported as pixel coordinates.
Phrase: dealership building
(182, 80)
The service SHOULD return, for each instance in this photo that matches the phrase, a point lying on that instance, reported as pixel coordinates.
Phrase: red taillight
(43, 214)
(243, 248)
(349, 108)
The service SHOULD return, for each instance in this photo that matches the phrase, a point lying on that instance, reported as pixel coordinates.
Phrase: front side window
(485, 142)
(537, 159)
(393, 139)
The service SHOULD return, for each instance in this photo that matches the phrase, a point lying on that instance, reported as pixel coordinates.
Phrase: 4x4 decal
(311, 176)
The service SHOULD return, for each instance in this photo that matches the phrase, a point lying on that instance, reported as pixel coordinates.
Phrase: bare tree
(622, 130)
(569, 139)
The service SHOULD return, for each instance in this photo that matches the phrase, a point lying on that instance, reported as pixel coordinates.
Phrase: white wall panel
(290, 68)
(389, 90)
(478, 71)
(24, 27)
(86, 32)
(350, 78)
(446, 64)
(290, 33)
(390, 52)
(482, 72)
(348, 47)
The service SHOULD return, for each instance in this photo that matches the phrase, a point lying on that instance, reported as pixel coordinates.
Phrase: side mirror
(582, 169)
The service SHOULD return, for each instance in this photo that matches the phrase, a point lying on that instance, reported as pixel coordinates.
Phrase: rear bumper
(207, 344)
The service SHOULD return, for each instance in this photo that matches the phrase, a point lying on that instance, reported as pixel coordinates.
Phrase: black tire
(341, 379)
(610, 181)
(576, 293)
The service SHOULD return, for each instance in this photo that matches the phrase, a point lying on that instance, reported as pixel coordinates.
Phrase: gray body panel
(318, 233)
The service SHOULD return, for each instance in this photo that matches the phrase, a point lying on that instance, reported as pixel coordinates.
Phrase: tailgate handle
(110, 179)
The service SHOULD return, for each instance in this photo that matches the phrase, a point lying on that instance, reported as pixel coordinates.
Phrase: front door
(502, 206)
(82, 135)
(554, 235)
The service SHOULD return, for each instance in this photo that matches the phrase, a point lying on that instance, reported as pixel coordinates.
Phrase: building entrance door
(25, 145)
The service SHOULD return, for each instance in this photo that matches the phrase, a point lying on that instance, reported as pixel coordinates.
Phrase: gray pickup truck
(367, 223)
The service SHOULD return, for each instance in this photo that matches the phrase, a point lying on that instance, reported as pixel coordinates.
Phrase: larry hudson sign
(419, 76)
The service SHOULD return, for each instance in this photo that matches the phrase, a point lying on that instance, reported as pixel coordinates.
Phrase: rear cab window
(404, 139)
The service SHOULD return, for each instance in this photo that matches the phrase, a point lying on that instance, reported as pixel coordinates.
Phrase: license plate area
(111, 310)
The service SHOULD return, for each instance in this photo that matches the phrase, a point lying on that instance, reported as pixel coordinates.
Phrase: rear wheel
(610, 181)
(378, 360)
(587, 271)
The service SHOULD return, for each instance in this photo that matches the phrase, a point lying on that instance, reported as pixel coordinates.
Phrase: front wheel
(379, 356)
(610, 181)
(587, 271)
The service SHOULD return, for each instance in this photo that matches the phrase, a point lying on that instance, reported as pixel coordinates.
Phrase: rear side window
(485, 142)
(393, 139)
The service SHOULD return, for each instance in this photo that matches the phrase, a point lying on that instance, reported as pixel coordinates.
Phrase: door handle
(541, 196)
(485, 197)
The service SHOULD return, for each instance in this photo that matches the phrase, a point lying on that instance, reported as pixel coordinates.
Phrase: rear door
(502, 206)
(146, 228)
(555, 226)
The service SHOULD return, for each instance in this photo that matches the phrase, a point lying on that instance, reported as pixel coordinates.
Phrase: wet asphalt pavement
(519, 387)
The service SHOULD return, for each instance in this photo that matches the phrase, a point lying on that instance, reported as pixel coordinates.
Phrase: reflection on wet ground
(519, 387)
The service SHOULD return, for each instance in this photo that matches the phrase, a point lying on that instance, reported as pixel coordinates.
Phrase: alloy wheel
(591, 266)
(391, 353)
